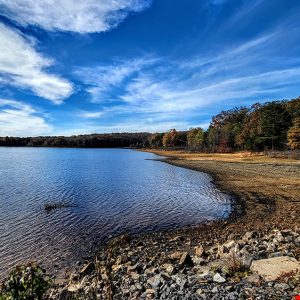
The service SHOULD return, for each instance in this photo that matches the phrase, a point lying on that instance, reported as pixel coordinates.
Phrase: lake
(108, 192)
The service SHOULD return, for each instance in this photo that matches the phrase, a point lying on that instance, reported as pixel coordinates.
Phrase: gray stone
(218, 278)
(272, 268)
(156, 281)
(281, 286)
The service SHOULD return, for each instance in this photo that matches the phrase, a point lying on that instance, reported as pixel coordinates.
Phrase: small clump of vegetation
(235, 265)
(28, 282)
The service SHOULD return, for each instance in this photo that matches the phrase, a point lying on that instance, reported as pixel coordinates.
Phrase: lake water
(110, 191)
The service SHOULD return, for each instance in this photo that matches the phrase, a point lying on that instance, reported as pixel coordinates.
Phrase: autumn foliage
(270, 126)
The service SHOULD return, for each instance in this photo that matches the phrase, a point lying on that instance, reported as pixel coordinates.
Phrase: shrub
(27, 282)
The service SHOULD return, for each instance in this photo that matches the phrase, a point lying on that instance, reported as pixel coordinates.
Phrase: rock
(249, 235)
(134, 276)
(122, 259)
(272, 268)
(202, 270)
(170, 269)
(176, 255)
(281, 286)
(156, 281)
(64, 294)
(218, 278)
(199, 292)
(181, 281)
(213, 249)
(246, 259)
(253, 278)
(199, 251)
(151, 270)
(74, 288)
(87, 269)
(228, 245)
(120, 240)
(150, 291)
(73, 277)
(198, 261)
(137, 268)
(186, 260)
(276, 254)
(177, 238)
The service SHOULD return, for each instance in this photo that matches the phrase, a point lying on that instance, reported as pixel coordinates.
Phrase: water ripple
(110, 191)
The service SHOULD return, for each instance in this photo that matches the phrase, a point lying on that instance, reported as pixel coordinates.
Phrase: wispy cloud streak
(174, 90)
(22, 66)
(86, 16)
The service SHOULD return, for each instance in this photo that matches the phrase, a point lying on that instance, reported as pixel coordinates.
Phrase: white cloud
(91, 114)
(71, 15)
(102, 78)
(162, 93)
(22, 66)
(20, 119)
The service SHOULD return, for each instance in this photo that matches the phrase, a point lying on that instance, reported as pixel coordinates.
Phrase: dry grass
(245, 156)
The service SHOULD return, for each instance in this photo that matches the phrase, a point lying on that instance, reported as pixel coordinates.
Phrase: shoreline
(190, 261)
(262, 187)
(237, 203)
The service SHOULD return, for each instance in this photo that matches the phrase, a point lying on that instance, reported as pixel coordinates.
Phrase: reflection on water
(110, 191)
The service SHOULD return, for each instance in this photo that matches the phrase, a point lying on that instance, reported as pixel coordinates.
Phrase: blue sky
(139, 65)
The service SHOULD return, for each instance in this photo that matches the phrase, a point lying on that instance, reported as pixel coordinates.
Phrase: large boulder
(271, 269)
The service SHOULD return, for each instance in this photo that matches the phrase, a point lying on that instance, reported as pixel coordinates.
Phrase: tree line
(270, 126)
(111, 140)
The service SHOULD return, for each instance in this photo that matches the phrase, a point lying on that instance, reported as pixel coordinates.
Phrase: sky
(78, 67)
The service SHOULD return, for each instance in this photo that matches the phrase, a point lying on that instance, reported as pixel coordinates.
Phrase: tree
(265, 127)
(170, 138)
(195, 138)
(294, 135)
(224, 129)
(156, 140)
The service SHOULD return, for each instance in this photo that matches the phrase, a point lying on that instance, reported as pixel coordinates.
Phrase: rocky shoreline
(176, 266)
(220, 260)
